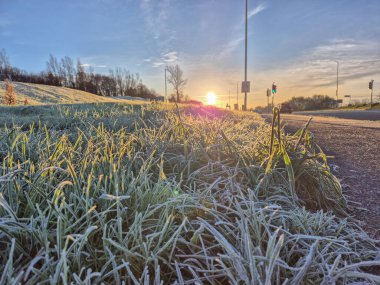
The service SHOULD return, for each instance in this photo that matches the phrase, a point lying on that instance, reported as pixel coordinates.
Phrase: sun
(211, 98)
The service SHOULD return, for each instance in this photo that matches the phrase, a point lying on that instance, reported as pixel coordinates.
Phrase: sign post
(245, 88)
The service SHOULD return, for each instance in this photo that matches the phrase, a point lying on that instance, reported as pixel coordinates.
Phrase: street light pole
(229, 98)
(237, 94)
(246, 53)
(166, 88)
(337, 79)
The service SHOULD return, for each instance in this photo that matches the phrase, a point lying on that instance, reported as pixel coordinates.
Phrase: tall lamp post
(166, 88)
(337, 79)
(246, 44)
(229, 98)
(237, 95)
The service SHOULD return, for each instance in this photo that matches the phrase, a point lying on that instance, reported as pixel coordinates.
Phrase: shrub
(10, 95)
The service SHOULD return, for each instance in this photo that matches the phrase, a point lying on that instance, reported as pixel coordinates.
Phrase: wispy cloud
(157, 64)
(316, 69)
(259, 8)
(253, 12)
(166, 58)
(170, 57)
(156, 14)
(88, 65)
(228, 48)
(357, 59)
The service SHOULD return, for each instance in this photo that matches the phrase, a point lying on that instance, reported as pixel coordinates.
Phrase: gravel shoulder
(355, 147)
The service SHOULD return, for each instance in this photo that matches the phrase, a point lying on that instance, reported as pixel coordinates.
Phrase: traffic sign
(245, 87)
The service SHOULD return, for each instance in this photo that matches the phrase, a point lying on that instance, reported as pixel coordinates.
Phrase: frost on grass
(157, 195)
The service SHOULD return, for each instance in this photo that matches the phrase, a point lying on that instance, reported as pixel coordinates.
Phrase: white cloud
(230, 47)
(315, 71)
(87, 65)
(166, 58)
(234, 43)
(357, 59)
(259, 8)
(158, 64)
(170, 57)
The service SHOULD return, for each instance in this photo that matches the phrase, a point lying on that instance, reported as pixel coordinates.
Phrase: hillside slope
(38, 94)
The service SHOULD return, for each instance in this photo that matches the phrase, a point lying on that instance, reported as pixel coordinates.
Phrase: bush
(10, 95)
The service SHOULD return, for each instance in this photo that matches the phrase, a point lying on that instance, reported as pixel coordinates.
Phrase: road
(355, 146)
(373, 115)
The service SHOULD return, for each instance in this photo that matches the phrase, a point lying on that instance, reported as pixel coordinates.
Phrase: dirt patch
(356, 162)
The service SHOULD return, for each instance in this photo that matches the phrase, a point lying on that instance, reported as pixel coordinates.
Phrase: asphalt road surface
(372, 115)
(355, 147)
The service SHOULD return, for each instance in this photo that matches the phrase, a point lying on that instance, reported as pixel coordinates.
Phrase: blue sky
(292, 42)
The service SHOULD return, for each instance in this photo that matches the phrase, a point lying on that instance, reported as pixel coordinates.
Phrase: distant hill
(38, 94)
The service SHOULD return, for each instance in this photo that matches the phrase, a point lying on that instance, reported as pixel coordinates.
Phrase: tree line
(65, 72)
(316, 102)
(301, 103)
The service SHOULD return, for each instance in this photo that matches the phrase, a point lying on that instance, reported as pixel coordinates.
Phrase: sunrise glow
(211, 98)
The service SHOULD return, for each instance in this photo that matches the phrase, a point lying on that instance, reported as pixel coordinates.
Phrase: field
(38, 94)
(155, 194)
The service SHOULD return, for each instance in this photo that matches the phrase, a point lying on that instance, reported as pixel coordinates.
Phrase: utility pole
(229, 98)
(337, 79)
(246, 53)
(166, 88)
(237, 94)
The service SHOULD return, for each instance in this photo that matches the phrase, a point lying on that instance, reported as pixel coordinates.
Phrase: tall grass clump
(113, 194)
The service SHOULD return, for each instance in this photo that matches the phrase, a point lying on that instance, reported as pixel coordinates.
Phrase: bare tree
(68, 71)
(52, 65)
(80, 76)
(175, 78)
(55, 71)
(4, 64)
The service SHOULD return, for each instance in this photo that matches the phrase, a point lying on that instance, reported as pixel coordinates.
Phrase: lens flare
(211, 98)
